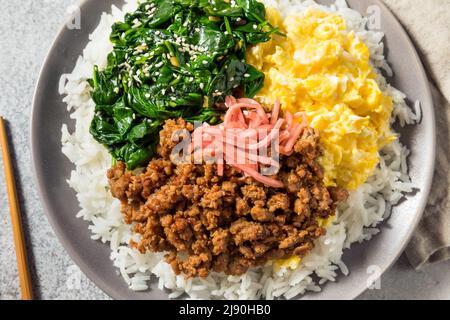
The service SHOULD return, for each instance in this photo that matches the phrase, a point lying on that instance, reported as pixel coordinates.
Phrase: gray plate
(52, 168)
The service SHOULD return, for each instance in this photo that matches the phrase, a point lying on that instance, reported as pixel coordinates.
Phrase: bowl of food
(233, 149)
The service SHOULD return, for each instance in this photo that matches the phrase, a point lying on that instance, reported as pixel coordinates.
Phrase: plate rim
(106, 286)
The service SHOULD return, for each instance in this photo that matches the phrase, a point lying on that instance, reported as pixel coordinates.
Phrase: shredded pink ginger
(238, 140)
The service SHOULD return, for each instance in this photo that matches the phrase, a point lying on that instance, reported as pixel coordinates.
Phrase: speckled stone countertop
(27, 29)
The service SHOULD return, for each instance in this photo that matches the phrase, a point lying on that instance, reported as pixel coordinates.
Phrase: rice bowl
(357, 219)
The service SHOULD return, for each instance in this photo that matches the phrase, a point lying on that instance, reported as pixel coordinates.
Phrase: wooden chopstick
(19, 240)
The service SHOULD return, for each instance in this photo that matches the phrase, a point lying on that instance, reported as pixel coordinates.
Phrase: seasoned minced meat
(166, 143)
(225, 224)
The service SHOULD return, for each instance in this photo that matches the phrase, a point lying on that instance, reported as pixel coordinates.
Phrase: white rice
(356, 220)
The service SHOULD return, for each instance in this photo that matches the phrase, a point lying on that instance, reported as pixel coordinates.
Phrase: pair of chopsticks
(19, 240)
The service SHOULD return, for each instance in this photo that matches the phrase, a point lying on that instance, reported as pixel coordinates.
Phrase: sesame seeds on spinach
(171, 59)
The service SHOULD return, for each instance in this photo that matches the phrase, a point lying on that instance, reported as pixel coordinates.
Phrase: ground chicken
(227, 224)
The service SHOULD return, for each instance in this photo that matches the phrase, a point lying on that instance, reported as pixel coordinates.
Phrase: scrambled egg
(324, 70)
(289, 263)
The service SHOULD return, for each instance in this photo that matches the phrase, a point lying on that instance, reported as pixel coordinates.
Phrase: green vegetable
(171, 59)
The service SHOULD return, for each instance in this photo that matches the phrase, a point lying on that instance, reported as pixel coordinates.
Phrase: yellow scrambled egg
(323, 69)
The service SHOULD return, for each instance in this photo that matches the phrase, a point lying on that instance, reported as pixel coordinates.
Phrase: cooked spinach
(171, 59)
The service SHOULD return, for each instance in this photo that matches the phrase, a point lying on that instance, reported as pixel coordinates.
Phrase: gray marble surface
(27, 29)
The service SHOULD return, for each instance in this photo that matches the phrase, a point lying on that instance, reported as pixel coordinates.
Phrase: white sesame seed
(205, 62)
(255, 26)
(157, 32)
(147, 95)
(116, 89)
(202, 86)
(163, 91)
(246, 75)
(173, 98)
(136, 23)
(238, 19)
